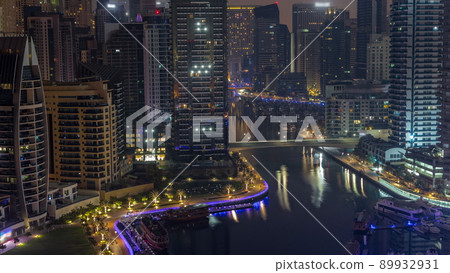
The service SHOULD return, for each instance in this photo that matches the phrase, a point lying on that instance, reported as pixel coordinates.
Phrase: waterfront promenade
(382, 181)
(120, 222)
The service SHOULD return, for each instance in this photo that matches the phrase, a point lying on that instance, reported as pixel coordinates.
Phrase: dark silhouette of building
(125, 53)
(272, 46)
(54, 38)
(372, 18)
(240, 38)
(328, 56)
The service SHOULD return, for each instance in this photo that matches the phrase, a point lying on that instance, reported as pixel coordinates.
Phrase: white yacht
(405, 209)
(443, 222)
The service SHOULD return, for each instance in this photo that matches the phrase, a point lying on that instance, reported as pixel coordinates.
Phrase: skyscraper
(372, 19)
(125, 53)
(284, 47)
(84, 134)
(240, 37)
(12, 16)
(335, 49)
(416, 44)
(144, 8)
(199, 52)
(159, 83)
(378, 57)
(113, 78)
(444, 94)
(267, 63)
(54, 38)
(23, 134)
(80, 11)
(328, 58)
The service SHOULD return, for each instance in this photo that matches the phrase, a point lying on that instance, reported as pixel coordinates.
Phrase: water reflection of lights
(262, 208)
(234, 215)
(347, 180)
(354, 187)
(282, 192)
(319, 184)
(351, 184)
(362, 187)
(259, 206)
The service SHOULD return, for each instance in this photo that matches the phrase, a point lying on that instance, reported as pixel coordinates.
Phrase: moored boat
(362, 222)
(187, 213)
(154, 234)
(405, 209)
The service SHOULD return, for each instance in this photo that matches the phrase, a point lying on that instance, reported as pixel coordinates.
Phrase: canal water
(280, 225)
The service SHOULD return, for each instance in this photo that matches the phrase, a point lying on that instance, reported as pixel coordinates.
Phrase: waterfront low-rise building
(383, 151)
(426, 163)
(61, 192)
(65, 197)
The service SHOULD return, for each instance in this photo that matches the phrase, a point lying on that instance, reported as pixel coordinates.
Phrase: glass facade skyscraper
(199, 62)
(415, 77)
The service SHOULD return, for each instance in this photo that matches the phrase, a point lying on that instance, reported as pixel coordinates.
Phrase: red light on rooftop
(276, 2)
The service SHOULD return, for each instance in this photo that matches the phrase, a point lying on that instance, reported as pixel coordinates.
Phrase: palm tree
(104, 204)
(229, 188)
(247, 182)
(154, 196)
(181, 194)
(118, 204)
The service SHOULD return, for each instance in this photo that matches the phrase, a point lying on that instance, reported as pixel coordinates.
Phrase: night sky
(285, 6)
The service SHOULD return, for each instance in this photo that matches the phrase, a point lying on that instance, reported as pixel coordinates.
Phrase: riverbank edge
(384, 184)
(258, 196)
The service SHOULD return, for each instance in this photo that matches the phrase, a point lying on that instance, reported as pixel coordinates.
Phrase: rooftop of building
(87, 88)
(60, 185)
(104, 72)
(352, 87)
(379, 143)
(425, 153)
(80, 197)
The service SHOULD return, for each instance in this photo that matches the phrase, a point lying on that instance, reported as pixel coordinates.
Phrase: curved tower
(23, 133)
